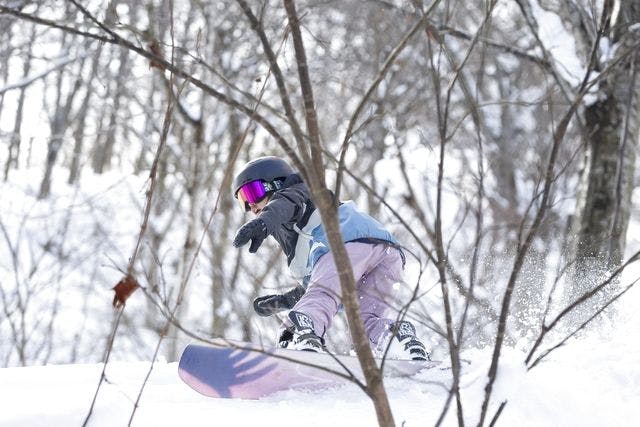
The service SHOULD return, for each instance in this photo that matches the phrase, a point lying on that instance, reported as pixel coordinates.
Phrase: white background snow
(592, 381)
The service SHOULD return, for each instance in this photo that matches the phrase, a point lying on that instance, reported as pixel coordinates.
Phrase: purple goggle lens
(252, 192)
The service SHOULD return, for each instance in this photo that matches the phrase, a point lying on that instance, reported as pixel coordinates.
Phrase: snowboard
(235, 369)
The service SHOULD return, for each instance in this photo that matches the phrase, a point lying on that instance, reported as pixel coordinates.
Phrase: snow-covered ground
(593, 381)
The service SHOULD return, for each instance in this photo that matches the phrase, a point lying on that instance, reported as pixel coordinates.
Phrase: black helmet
(267, 169)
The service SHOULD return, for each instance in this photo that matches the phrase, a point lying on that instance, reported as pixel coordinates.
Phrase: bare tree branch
(374, 85)
(165, 65)
(546, 328)
(60, 63)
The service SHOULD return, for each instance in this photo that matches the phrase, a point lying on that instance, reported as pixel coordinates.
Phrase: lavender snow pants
(376, 268)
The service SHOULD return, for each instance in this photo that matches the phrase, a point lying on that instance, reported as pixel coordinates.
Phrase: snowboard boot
(301, 336)
(402, 342)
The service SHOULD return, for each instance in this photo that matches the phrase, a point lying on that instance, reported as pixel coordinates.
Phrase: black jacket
(289, 206)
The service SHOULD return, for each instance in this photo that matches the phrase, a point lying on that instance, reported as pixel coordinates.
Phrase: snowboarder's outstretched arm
(285, 206)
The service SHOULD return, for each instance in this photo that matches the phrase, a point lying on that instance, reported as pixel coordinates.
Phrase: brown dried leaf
(124, 289)
(154, 47)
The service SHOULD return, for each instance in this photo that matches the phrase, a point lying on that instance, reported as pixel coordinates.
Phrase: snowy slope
(594, 381)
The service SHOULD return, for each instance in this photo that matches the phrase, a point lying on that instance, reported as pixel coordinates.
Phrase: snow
(592, 381)
(559, 43)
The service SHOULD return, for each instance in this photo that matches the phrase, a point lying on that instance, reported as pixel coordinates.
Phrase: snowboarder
(281, 202)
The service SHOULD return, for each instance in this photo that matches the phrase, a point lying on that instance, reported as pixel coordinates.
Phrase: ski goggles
(255, 191)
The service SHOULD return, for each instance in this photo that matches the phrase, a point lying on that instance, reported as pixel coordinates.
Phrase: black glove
(270, 304)
(254, 230)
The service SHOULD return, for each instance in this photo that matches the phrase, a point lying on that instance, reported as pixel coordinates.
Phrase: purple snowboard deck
(234, 369)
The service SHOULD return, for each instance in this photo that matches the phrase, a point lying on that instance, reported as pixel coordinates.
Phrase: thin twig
(171, 102)
(274, 67)
(558, 137)
(582, 326)
(104, 366)
(391, 59)
(161, 62)
(579, 301)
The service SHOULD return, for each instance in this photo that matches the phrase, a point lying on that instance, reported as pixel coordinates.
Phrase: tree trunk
(326, 205)
(104, 152)
(79, 129)
(14, 145)
(611, 134)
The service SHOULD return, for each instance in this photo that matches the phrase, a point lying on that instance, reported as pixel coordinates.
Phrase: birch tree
(611, 135)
